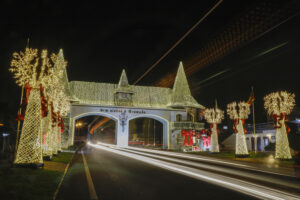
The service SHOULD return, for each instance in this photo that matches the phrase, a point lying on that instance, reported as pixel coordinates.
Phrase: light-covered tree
(279, 105)
(214, 116)
(31, 69)
(239, 115)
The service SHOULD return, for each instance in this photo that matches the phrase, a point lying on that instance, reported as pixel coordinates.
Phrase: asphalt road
(118, 177)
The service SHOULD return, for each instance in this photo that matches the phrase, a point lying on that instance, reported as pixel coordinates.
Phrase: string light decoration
(279, 105)
(31, 70)
(239, 117)
(214, 116)
(43, 75)
(58, 98)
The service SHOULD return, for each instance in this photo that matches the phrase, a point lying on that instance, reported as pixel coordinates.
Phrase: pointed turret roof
(181, 84)
(181, 93)
(123, 85)
(123, 80)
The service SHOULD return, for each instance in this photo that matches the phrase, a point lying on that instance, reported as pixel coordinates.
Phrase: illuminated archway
(165, 127)
(106, 115)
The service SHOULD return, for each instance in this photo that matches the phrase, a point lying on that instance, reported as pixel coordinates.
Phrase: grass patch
(23, 183)
(222, 154)
(26, 183)
(63, 157)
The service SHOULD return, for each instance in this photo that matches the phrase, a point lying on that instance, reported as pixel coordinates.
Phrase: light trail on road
(198, 158)
(244, 187)
(211, 160)
(221, 170)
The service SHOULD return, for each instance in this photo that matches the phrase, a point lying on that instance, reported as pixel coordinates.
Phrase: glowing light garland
(239, 117)
(279, 105)
(214, 116)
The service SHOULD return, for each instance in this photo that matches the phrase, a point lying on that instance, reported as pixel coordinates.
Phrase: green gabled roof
(143, 96)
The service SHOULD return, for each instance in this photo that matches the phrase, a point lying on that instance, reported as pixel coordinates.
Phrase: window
(178, 117)
(190, 117)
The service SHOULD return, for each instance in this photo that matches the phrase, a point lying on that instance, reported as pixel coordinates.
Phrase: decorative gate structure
(123, 102)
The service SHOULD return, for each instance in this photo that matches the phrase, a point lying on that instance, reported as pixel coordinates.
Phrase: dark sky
(100, 39)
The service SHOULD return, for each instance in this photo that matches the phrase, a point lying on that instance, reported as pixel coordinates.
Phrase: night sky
(241, 44)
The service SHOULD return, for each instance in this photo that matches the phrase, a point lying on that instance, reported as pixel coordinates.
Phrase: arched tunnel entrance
(95, 128)
(145, 132)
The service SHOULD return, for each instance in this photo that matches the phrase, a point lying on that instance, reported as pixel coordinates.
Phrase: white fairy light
(279, 102)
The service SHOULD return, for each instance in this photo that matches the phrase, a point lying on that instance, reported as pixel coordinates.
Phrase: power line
(178, 42)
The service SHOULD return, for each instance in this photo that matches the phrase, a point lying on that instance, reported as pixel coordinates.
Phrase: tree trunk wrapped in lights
(239, 120)
(241, 145)
(60, 103)
(214, 116)
(279, 105)
(214, 143)
(30, 149)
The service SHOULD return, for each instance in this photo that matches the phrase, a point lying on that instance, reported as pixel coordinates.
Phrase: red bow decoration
(211, 126)
(43, 102)
(188, 141)
(236, 122)
(277, 123)
(27, 92)
(21, 113)
(53, 116)
(20, 117)
(61, 124)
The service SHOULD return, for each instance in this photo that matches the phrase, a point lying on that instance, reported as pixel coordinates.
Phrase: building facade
(175, 108)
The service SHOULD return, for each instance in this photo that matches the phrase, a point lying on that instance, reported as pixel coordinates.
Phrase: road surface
(134, 174)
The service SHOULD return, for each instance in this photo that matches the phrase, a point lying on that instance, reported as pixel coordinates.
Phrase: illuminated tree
(279, 105)
(239, 117)
(214, 116)
(31, 70)
(60, 104)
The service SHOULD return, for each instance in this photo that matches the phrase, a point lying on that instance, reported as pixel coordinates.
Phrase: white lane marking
(230, 183)
(92, 191)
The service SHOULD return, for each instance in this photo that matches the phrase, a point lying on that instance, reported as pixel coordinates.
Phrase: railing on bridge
(187, 125)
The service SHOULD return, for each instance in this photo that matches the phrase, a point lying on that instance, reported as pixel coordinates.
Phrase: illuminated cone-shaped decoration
(240, 146)
(282, 142)
(239, 119)
(58, 138)
(214, 116)
(47, 137)
(30, 149)
(54, 138)
(214, 143)
(280, 104)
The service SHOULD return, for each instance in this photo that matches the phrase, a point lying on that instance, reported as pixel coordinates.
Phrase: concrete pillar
(71, 131)
(166, 134)
(122, 130)
(262, 143)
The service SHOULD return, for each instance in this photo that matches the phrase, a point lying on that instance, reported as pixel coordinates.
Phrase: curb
(62, 178)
